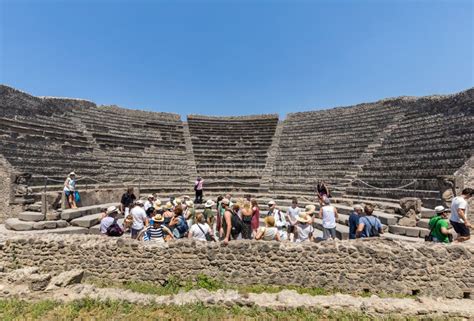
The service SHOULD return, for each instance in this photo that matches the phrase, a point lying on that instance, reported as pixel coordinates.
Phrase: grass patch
(202, 281)
(87, 309)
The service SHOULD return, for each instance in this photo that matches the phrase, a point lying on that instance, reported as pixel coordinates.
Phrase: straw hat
(168, 206)
(225, 201)
(303, 218)
(209, 203)
(150, 196)
(157, 218)
(157, 204)
(177, 201)
(189, 203)
(139, 202)
(309, 209)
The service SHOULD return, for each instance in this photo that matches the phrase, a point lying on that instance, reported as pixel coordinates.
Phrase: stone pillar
(63, 200)
(44, 204)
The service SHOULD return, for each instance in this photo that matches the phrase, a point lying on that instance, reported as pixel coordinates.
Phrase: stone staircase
(68, 221)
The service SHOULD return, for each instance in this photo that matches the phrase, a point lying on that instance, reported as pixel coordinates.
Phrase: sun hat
(303, 218)
(177, 201)
(309, 209)
(209, 203)
(157, 204)
(168, 206)
(225, 201)
(189, 203)
(440, 209)
(72, 174)
(150, 196)
(271, 202)
(157, 218)
(186, 197)
(139, 202)
(112, 209)
(358, 207)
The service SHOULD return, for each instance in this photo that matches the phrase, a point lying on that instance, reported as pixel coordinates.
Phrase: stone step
(35, 207)
(87, 220)
(385, 218)
(17, 225)
(72, 213)
(31, 216)
(396, 237)
(427, 213)
(342, 231)
(47, 225)
(409, 231)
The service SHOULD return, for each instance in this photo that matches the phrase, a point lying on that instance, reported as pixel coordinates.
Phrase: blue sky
(236, 57)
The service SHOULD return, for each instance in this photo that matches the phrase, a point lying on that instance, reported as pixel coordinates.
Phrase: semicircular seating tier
(364, 151)
(231, 152)
(51, 137)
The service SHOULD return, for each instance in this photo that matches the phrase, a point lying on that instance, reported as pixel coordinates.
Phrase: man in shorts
(458, 219)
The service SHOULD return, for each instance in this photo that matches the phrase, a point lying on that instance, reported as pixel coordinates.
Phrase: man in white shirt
(280, 220)
(293, 214)
(149, 202)
(458, 219)
(139, 218)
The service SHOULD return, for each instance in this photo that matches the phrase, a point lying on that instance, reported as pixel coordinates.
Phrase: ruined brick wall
(375, 265)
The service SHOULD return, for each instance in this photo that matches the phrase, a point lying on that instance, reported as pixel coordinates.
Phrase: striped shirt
(155, 233)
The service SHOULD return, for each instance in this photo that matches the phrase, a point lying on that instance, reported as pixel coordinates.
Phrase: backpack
(373, 231)
(181, 228)
(114, 229)
(236, 224)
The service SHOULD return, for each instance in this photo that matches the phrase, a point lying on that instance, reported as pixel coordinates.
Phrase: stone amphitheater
(372, 153)
(402, 155)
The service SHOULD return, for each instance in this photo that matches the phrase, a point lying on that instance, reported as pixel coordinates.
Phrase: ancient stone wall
(356, 266)
(6, 208)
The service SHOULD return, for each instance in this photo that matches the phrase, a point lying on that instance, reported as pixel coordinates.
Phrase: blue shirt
(353, 223)
(368, 222)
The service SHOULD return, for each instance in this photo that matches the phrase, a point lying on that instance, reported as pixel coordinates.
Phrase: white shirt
(303, 232)
(458, 203)
(139, 217)
(196, 232)
(269, 233)
(293, 214)
(147, 205)
(329, 217)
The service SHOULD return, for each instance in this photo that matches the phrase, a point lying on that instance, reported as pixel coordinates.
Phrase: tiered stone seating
(137, 145)
(327, 144)
(435, 138)
(38, 136)
(233, 149)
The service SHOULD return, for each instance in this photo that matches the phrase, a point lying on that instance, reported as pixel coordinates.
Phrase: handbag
(429, 237)
(207, 235)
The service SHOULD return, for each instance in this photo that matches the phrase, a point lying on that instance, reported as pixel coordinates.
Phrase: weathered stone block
(408, 203)
(31, 216)
(38, 282)
(17, 225)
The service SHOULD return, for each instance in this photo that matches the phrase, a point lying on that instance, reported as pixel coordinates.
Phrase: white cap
(271, 203)
(440, 209)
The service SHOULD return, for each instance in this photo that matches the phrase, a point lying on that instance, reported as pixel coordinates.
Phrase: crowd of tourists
(227, 219)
